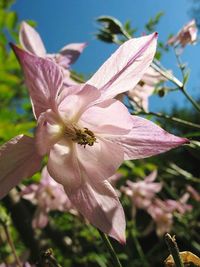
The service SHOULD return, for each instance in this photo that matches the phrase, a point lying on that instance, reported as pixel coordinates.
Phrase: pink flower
(48, 195)
(162, 212)
(161, 216)
(187, 35)
(180, 206)
(86, 133)
(194, 193)
(145, 88)
(143, 192)
(31, 41)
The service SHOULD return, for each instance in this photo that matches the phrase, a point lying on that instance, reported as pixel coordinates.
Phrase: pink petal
(30, 40)
(69, 54)
(68, 160)
(74, 100)
(146, 139)
(98, 202)
(151, 177)
(101, 160)
(18, 160)
(43, 78)
(125, 68)
(63, 165)
(110, 116)
(40, 219)
(48, 132)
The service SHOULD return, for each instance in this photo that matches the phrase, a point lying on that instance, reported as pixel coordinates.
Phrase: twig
(11, 243)
(173, 249)
(171, 118)
(116, 262)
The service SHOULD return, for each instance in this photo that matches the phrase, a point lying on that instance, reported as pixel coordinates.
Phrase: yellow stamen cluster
(84, 137)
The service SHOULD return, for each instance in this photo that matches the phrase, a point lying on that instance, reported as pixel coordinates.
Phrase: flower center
(82, 136)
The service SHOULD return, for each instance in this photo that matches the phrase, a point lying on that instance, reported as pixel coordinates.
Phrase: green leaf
(113, 25)
(9, 79)
(11, 20)
(2, 18)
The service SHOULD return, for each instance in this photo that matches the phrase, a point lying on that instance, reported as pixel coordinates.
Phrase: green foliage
(153, 22)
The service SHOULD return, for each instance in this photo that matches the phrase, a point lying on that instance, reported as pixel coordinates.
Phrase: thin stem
(167, 117)
(48, 259)
(190, 98)
(10, 242)
(140, 251)
(166, 74)
(76, 77)
(173, 249)
(115, 260)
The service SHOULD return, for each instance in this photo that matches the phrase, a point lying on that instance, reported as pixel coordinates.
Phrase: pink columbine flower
(48, 195)
(85, 132)
(162, 211)
(193, 193)
(180, 205)
(143, 192)
(144, 89)
(161, 216)
(31, 41)
(187, 35)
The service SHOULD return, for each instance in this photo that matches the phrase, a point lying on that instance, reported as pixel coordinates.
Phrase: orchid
(187, 35)
(31, 41)
(86, 133)
(145, 88)
(143, 192)
(48, 195)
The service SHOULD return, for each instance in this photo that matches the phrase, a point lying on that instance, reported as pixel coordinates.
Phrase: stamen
(82, 136)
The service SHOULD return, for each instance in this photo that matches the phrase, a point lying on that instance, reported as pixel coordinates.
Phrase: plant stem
(166, 74)
(115, 260)
(76, 77)
(190, 98)
(167, 117)
(140, 251)
(48, 259)
(183, 88)
(10, 242)
(173, 249)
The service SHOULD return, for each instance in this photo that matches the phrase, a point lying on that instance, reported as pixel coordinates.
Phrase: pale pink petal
(151, 177)
(125, 68)
(40, 219)
(43, 78)
(110, 116)
(67, 80)
(48, 132)
(30, 40)
(69, 54)
(74, 100)
(98, 202)
(194, 193)
(18, 160)
(63, 165)
(101, 160)
(146, 139)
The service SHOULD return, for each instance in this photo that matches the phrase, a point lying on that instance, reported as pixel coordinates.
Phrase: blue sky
(67, 21)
